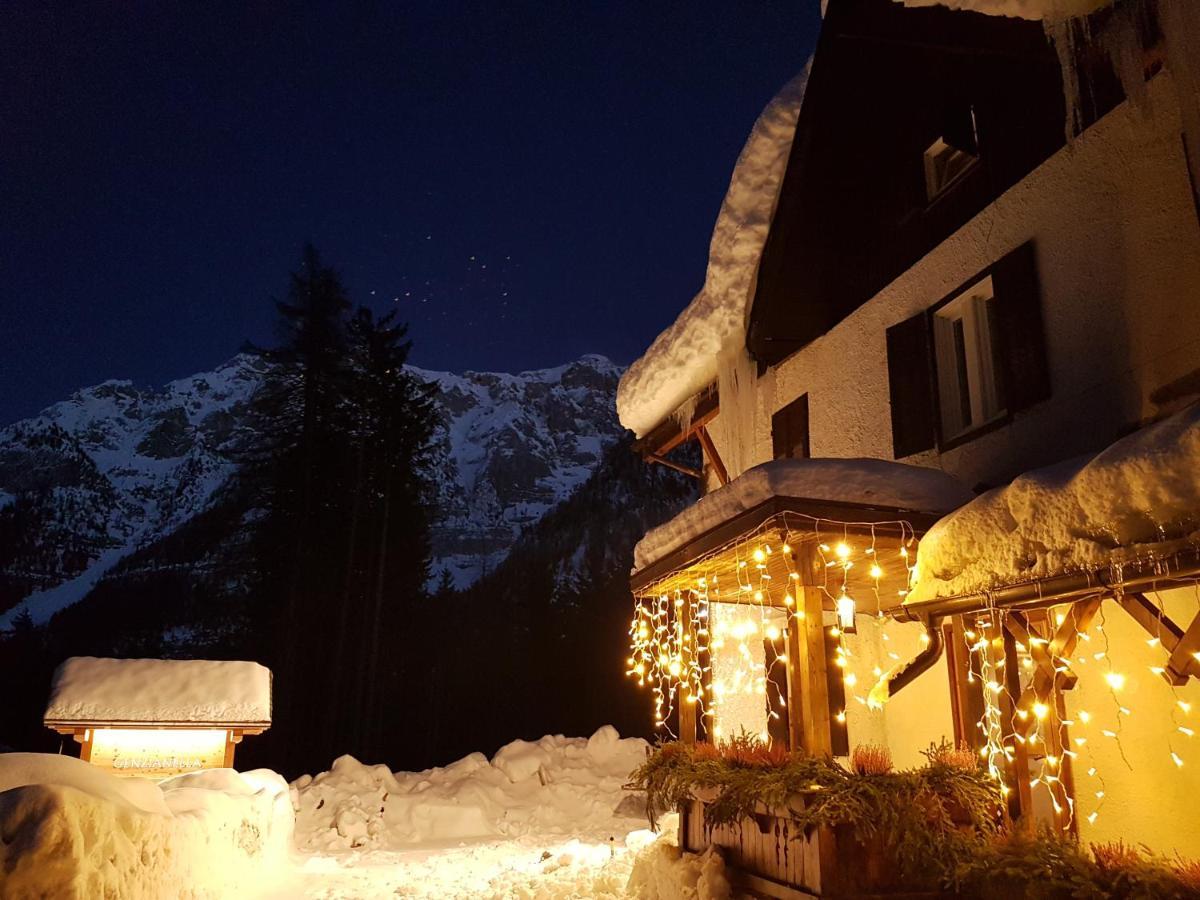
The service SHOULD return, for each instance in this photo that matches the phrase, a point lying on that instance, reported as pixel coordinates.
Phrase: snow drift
(684, 359)
(71, 830)
(553, 785)
(871, 482)
(1083, 514)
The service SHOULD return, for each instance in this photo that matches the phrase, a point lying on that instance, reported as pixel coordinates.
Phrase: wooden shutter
(1022, 339)
(911, 386)
(789, 430)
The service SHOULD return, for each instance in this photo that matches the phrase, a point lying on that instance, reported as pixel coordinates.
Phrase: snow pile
(72, 831)
(1038, 10)
(870, 482)
(91, 689)
(1081, 515)
(684, 359)
(555, 785)
(642, 865)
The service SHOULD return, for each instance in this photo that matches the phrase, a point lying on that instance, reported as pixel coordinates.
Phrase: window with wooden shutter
(911, 387)
(789, 430)
(970, 361)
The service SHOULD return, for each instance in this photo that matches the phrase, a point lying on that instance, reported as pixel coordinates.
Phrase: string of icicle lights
(1058, 738)
(1058, 741)
(673, 632)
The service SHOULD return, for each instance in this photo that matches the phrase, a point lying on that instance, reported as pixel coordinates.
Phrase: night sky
(525, 183)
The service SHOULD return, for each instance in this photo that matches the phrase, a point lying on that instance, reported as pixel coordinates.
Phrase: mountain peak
(117, 467)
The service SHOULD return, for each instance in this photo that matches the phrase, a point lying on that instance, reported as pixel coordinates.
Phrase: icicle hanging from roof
(683, 360)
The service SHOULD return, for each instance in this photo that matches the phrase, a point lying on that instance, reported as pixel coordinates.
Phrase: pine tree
(336, 460)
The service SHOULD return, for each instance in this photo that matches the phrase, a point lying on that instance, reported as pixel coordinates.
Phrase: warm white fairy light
(676, 663)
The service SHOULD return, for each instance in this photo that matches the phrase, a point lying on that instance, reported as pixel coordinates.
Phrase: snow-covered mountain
(514, 447)
(116, 467)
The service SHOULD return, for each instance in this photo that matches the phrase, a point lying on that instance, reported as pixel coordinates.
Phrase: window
(966, 358)
(789, 430)
(954, 153)
(971, 360)
(945, 164)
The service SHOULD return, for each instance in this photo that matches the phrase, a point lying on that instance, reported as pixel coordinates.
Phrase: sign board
(156, 752)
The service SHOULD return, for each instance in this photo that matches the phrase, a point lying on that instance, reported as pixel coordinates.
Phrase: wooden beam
(1154, 621)
(1184, 656)
(808, 688)
(669, 434)
(1020, 801)
(968, 684)
(671, 464)
(710, 452)
(1052, 675)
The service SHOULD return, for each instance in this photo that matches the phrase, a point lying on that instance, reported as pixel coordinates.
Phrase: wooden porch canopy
(783, 552)
(800, 524)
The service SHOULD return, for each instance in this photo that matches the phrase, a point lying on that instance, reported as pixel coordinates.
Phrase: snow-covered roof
(1038, 10)
(868, 482)
(683, 360)
(87, 689)
(1085, 514)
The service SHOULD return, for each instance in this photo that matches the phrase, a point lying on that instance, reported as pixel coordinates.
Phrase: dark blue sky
(524, 182)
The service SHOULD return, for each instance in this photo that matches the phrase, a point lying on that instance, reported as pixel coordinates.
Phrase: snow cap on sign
(87, 689)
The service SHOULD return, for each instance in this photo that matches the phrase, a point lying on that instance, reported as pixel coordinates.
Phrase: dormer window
(954, 153)
(945, 164)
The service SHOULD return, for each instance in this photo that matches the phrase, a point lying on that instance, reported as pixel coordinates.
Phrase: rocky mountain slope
(117, 467)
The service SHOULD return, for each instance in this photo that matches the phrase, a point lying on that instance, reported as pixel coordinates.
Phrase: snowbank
(1044, 10)
(72, 831)
(554, 785)
(1083, 514)
(684, 359)
(90, 689)
(871, 482)
(642, 865)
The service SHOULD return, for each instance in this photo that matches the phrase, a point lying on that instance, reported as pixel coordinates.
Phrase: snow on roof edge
(683, 359)
(1084, 514)
(870, 482)
(1050, 11)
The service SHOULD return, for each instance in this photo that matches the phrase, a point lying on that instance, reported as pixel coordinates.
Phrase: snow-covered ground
(544, 819)
(72, 831)
(547, 819)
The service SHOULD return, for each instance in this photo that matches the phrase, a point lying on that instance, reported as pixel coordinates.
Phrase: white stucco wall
(1147, 797)
(1118, 247)
(916, 717)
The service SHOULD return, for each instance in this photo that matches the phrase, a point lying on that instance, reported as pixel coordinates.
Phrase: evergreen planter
(770, 854)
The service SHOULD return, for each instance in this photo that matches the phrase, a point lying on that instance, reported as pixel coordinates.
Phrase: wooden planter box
(768, 855)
